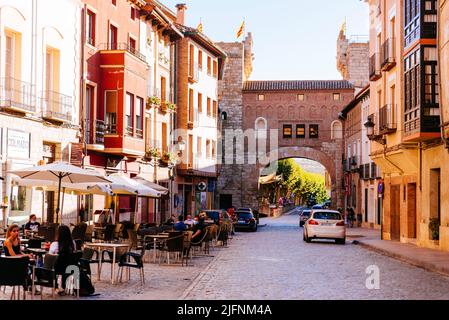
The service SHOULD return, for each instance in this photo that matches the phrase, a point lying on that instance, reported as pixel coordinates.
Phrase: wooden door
(395, 212)
(411, 210)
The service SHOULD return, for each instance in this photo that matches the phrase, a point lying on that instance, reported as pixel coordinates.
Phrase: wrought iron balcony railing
(56, 106)
(17, 95)
(194, 72)
(387, 119)
(121, 46)
(388, 54)
(374, 67)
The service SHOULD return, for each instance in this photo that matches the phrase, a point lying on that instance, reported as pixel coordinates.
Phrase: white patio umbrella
(140, 179)
(60, 172)
(123, 185)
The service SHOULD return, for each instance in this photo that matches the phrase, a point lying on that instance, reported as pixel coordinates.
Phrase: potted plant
(171, 106)
(164, 106)
(434, 227)
(153, 153)
(168, 158)
(153, 101)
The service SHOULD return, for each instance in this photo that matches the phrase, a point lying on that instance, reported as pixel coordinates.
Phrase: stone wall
(238, 68)
(353, 61)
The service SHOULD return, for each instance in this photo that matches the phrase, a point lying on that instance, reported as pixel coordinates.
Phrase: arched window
(337, 130)
(261, 128)
(224, 116)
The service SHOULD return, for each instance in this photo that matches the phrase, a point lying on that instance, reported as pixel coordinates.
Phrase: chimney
(181, 14)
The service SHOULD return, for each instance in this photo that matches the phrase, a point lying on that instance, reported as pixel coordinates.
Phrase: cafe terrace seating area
(123, 257)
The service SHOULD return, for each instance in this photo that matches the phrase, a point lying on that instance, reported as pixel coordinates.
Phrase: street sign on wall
(18, 144)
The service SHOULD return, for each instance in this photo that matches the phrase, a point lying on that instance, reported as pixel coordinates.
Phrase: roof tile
(296, 85)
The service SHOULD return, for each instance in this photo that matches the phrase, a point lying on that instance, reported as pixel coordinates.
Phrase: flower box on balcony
(153, 102)
(167, 106)
(153, 154)
(168, 159)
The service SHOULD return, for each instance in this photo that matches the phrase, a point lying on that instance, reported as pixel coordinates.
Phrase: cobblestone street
(275, 263)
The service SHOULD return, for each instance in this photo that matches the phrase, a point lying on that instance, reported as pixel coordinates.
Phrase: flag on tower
(241, 30)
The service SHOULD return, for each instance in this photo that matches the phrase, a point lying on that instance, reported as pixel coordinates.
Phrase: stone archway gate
(305, 115)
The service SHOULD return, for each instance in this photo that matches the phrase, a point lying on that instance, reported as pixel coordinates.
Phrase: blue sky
(293, 39)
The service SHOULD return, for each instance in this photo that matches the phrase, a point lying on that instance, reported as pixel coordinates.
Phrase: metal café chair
(14, 273)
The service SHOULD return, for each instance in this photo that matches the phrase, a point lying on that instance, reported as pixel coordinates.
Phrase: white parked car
(325, 224)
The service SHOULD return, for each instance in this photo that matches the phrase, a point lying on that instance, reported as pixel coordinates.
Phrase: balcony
(373, 171)
(387, 119)
(347, 165)
(388, 54)
(365, 171)
(194, 73)
(99, 132)
(56, 106)
(374, 67)
(16, 95)
(95, 140)
(111, 123)
(121, 46)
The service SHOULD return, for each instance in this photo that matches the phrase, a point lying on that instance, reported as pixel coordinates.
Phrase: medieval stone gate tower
(305, 115)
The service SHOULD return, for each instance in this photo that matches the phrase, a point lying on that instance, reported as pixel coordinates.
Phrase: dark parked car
(304, 216)
(217, 215)
(245, 220)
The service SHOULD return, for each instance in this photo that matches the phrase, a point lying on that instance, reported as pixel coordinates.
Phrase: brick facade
(238, 100)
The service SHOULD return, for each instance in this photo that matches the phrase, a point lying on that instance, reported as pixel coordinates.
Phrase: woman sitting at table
(11, 246)
(64, 247)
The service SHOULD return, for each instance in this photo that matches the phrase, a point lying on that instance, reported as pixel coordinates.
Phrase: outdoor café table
(155, 238)
(22, 240)
(112, 246)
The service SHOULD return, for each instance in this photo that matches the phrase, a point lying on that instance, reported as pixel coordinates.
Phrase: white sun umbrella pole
(60, 172)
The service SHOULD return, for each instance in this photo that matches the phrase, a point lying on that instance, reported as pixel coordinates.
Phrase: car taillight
(313, 222)
(341, 224)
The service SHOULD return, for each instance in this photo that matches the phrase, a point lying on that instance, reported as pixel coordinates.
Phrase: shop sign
(18, 144)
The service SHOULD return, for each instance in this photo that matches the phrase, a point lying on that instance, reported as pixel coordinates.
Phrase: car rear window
(244, 215)
(327, 216)
(213, 214)
(306, 213)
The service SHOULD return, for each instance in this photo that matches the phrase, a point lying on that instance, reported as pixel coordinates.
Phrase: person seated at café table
(32, 225)
(64, 247)
(200, 228)
(180, 225)
(171, 220)
(11, 248)
(189, 221)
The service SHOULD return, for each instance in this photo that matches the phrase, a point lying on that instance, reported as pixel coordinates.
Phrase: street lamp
(369, 125)
(181, 146)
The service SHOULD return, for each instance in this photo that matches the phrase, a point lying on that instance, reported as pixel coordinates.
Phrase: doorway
(188, 200)
(395, 212)
(225, 201)
(411, 210)
(366, 206)
(49, 204)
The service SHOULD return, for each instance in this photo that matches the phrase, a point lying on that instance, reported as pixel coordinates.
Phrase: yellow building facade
(405, 108)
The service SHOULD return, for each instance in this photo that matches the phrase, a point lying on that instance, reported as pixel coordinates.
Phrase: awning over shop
(272, 178)
(146, 182)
